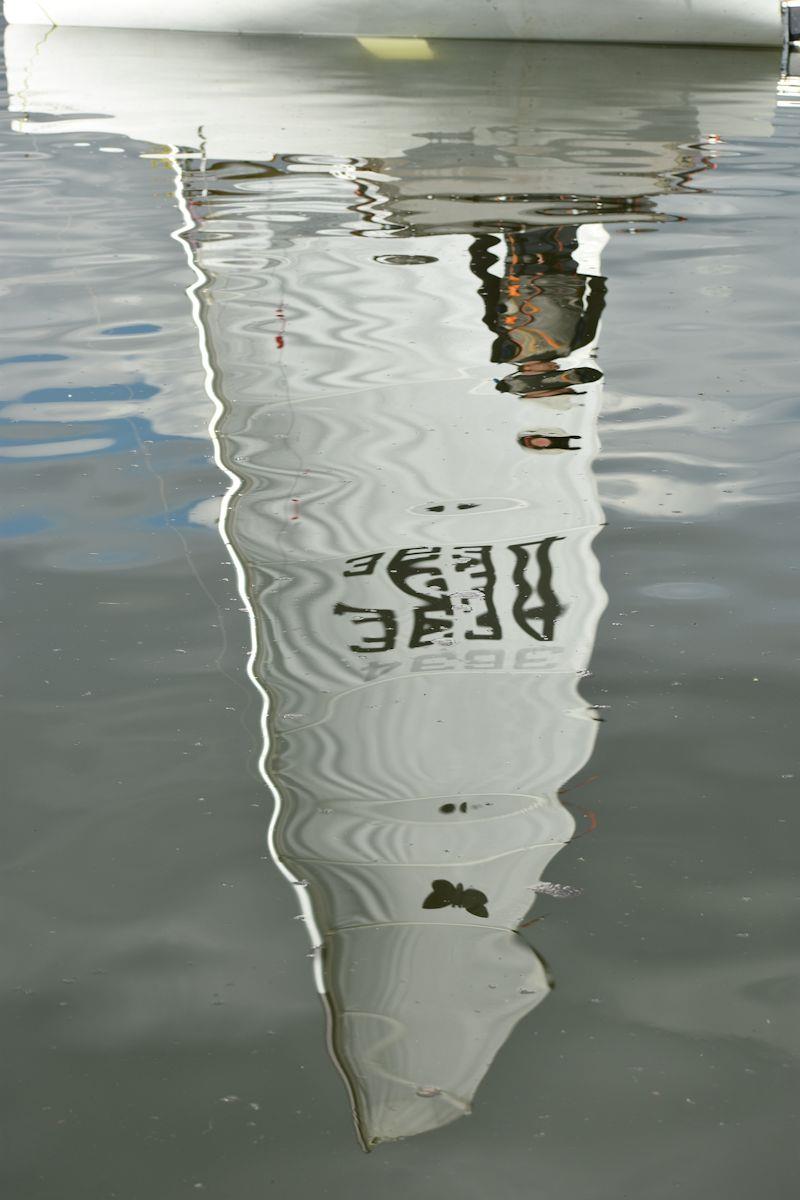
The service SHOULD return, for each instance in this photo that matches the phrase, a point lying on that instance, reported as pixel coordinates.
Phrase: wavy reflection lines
(424, 596)
(365, 744)
(657, 456)
(364, 832)
(334, 338)
(307, 482)
(334, 505)
(184, 235)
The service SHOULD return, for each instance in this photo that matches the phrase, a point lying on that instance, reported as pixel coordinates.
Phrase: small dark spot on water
(405, 260)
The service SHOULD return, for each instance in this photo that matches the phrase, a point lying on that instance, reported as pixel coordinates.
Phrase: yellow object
(406, 48)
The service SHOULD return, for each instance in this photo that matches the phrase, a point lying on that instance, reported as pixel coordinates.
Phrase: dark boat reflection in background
(401, 350)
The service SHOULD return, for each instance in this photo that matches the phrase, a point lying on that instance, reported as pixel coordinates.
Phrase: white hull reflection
(409, 424)
(521, 122)
(715, 22)
(425, 596)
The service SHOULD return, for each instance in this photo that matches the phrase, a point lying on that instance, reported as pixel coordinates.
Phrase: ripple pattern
(420, 638)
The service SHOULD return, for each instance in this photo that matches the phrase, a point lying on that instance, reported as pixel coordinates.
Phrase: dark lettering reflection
(455, 592)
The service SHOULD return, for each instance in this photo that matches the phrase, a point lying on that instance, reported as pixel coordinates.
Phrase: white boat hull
(712, 22)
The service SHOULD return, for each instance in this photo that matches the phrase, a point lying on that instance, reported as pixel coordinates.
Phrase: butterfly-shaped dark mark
(455, 895)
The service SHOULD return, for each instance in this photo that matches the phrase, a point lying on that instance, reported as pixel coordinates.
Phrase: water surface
(492, 377)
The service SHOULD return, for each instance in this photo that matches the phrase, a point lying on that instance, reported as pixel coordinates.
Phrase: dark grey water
(502, 394)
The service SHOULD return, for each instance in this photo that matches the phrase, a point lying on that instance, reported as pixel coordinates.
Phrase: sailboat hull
(713, 22)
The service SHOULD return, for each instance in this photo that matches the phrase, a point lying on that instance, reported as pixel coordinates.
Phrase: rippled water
(400, 457)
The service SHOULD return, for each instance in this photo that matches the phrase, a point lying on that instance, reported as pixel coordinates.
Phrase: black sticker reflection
(455, 895)
(464, 583)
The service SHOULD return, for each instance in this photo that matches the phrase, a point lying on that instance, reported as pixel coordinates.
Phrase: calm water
(414, 442)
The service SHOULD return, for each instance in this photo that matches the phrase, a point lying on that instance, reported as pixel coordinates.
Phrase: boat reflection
(400, 333)
(418, 556)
